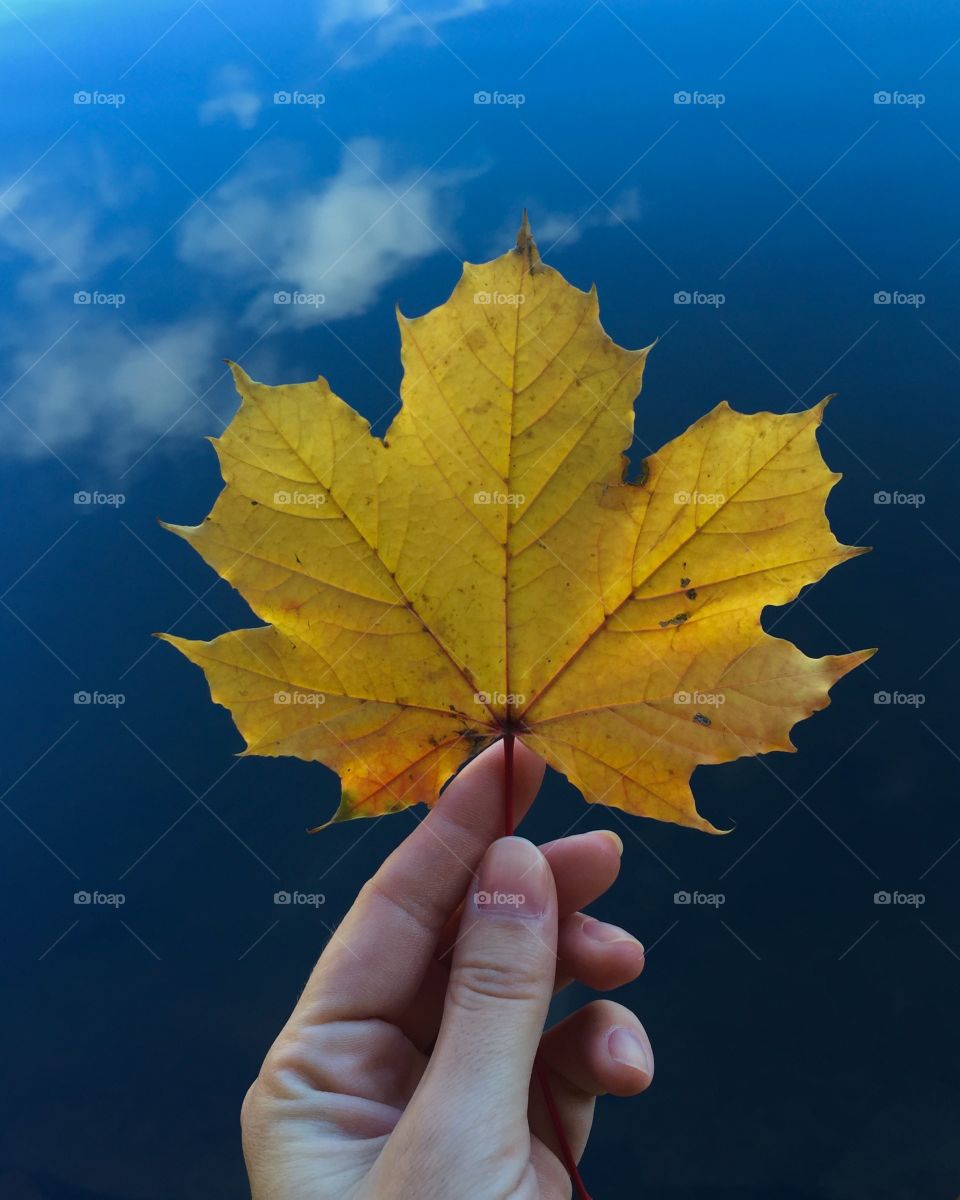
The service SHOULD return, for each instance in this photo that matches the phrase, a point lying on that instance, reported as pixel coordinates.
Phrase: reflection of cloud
(374, 26)
(232, 98)
(564, 229)
(100, 388)
(81, 382)
(343, 240)
(58, 235)
(76, 377)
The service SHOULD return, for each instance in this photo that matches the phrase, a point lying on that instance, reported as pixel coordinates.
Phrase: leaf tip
(843, 664)
(708, 827)
(346, 811)
(526, 246)
(240, 377)
(182, 531)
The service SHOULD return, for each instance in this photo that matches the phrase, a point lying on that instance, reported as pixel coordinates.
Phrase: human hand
(405, 1068)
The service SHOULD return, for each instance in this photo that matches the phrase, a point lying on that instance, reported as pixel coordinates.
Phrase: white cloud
(375, 26)
(86, 387)
(343, 240)
(101, 389)
(562, 229)
(232, 98)
(78, 380)
(59, 237)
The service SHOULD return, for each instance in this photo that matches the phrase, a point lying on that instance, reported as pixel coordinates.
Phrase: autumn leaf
(485, 567)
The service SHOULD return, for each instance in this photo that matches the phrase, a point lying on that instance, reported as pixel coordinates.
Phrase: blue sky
(769, 188)
(184, 188)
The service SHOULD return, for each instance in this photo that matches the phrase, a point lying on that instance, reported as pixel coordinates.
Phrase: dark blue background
(806, 1038)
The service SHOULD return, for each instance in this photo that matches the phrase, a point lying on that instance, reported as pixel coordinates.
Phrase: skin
(405, 1068)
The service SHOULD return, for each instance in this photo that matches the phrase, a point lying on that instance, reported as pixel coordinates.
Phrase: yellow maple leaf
(485, 568)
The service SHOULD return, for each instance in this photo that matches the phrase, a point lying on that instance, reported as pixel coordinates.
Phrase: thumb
(501, 980)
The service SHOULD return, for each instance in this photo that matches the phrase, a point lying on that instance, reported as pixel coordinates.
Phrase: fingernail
(513, 880)
(601, 931)
(627, 1047)
(613, 838)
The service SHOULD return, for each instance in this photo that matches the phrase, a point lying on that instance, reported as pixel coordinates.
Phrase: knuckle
(602, 1014)
(475, 981)
(251, 1120)
(248, 1107)
(291, 1067)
